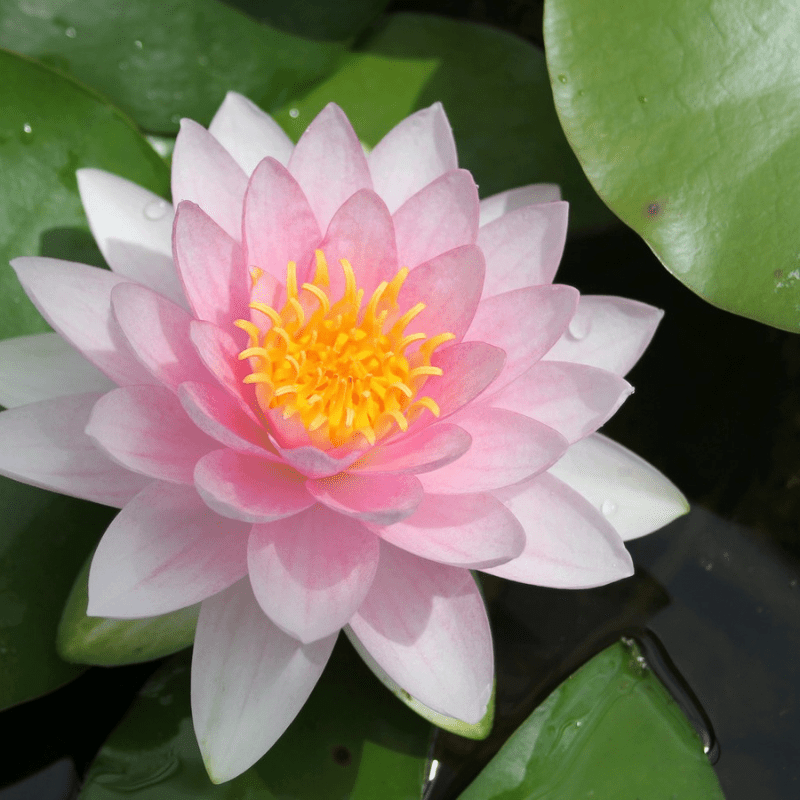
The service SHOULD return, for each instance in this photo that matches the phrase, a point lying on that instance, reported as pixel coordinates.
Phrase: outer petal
(381, 499)
(569, 543)
(133, 229)
(413, 154)
(76, 300)
(145, 429)
(505, 202)
(204, 172)
(249, 680)
(249, 488)
(44, 444)
(607, 332)
(42, 366)
(634, 496)
(425, 625)
(310, 573)
(438, 218)
(523, 247)
(465, 530)
(573, 399)
(329, 163)
(506, 448)
(165, 550)
(248, 133)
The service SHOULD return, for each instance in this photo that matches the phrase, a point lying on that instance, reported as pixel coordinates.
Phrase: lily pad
(351, 741)
(685, 115)
(493, 85)
(609, 731)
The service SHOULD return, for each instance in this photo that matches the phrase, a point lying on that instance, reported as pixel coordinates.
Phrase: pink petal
(249, 680)
(158, 334)
(279, 225)
(506, 448)
(450, 287)
(632, 494)
(204, 172)
(249, 488)
(423, 451)
(329, 163)
(165, 550)
(211, 266)
(607, 332)
(76, 300)
(44, 444)
(569, 544)
(315, 463)
(43, 366)
(133, 229)
(464, 530)
(438, 218)
(573, 399)
(526, 323)
(380, 499)
(524, 247)
(220, 353)
(362, 232)
(505, 202)
(413, 154)
(145, 429)
(425, 625)
(248, 133)
(311, 572)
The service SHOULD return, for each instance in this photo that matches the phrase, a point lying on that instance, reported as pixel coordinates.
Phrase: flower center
(340, 368)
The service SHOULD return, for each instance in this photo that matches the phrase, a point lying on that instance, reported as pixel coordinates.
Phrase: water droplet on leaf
(294, 113)
(562, 78)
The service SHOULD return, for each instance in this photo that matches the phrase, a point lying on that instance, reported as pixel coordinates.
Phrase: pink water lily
(322, 390)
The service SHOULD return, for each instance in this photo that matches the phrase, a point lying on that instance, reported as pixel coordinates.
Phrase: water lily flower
(322, 387)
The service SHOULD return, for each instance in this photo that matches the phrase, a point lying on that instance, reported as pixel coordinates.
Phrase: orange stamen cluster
(340, 368)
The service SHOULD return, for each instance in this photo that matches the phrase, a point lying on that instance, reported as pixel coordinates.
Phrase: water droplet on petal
(608, 507)
(71, 32)
(294, 113)
(579, 327)
(155, 210)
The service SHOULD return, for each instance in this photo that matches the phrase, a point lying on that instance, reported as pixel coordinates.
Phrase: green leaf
(43, 541)
(50, 127)
(160, 60)
(494, 88)
(351, 741)
(609, 731)
(110, 642)
(685, 115)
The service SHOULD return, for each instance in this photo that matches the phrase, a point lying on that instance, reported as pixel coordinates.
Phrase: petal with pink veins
(248, 133)
(607, 332)
(279, 225)
(249, 680)
(165, 550)
(523, 247)
(329, 163)
(42, 366)
(76, 300)
(441, 216)
(633, 495)
(413, 154)
(311, 572)
(158, 334)
(496, 205)
(380, 499)
(145, 429)
(426, 626)
(204, 172)
(465, 530)
(506, 448)
(526, 323)
(44, 444)
(573, 399)
(248, 488)
(211, 266)
(569, 543)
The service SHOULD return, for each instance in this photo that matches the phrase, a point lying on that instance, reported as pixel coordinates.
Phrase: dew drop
(643, 99)
(155, 210)
(138, 44)
(27, 128)
(71, 32)
(294, 113)
(578, 723)
(608, 507)
(579, 328)
(562, 78)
